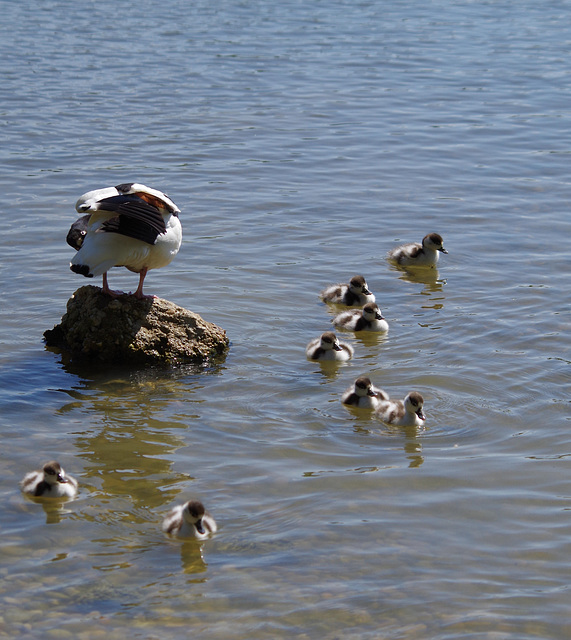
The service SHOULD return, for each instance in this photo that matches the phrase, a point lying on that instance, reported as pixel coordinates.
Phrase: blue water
(302, 141)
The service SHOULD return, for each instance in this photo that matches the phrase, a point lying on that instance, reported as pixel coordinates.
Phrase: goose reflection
(128, 446)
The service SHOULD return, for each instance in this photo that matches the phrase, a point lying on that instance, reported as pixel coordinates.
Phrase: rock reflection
(125, 438)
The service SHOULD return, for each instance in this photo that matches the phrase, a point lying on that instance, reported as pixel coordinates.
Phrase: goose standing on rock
(402, 413)
(356, 292)
(130, 226)
(415, 254)
(189, 520)
(49, 482)
(369, 318)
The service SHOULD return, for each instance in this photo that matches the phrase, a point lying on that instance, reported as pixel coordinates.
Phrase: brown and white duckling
(355, 293)
(49, 482)
(363, 394)
(130, 225)
(402, 413)
(328, 347)
(189, 520)
(415, 254)
(369, 318)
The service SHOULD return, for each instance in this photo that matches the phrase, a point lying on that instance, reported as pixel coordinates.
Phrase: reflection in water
(54, 509)
(429, 278)
(129, 445)
(191, 557)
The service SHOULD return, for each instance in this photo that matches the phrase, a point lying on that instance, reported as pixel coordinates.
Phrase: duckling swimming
(352, 294)
(363, 394)
(189, 520)
(369, 318)
(415, 254)
(402, 413)
(328, 347)
(49, 482)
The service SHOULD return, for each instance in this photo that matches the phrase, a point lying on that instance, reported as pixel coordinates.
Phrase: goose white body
(130, 226)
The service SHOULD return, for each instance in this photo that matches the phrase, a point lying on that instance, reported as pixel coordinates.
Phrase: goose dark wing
(135, 218)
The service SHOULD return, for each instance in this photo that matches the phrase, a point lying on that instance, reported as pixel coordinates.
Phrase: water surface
(301, 141)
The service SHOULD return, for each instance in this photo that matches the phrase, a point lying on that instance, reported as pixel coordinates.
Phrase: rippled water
(301, 141)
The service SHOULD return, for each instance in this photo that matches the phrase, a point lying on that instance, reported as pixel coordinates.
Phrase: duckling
(402, 413)
(356, 293)
(49, 482)
(189, 520)
(369, 318)
(363, 394)
(415, 254)
(328, 347)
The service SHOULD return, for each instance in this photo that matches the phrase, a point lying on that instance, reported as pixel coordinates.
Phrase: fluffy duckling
(415, 254)
(363, 394)
(328, 347)
(402, 413)
(49, 482)
(369, 318)
(356, 293)
(189, 520)
(130, 225)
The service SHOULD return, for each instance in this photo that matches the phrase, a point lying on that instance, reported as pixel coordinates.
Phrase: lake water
(302, 141)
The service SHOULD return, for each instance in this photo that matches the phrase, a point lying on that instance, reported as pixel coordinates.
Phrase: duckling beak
(61, 479)
(199, 527)
(443, 250)
(379, 316)
(370, 392)
(366, 292)
(337, 347)
(420, 414)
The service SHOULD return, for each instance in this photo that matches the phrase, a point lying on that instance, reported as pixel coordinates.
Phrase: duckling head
(330, 341)
(357, 285)
(434, 242)
(372, 312)
(364, 387)
(54, 474)
(193, 512)
(413, 404)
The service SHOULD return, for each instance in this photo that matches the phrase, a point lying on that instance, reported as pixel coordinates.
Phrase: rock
(125, 330)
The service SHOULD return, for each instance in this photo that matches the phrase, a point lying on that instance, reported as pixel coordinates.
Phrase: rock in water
(126, 330)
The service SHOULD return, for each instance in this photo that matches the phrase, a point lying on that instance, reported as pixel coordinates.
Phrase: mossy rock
(125, 330)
